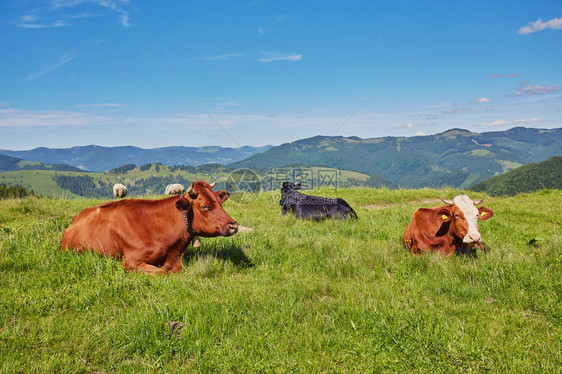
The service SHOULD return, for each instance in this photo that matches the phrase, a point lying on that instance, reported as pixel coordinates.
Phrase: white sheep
(119, 190)
(174, 189)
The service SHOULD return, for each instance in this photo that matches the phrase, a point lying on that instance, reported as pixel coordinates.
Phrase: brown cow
(151, 235)
(444, 228)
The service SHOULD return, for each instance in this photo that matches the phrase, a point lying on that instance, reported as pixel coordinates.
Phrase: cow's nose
(474, 237)
(229, 229)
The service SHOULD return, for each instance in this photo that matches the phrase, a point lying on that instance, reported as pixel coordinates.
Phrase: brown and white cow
(446, 228)
(151, 235)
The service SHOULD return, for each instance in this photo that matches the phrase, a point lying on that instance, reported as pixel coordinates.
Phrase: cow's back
(425, 233)
(94, 229)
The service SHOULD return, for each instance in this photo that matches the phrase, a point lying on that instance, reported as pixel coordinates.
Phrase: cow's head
(287, 198)
(290, 186)
(464, 216)
(203, 209)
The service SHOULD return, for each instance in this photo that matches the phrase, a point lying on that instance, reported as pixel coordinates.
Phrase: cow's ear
(192, 194)
(444, 214)
(224, 195)
(183, 204)
(298, 186)
(485, 213)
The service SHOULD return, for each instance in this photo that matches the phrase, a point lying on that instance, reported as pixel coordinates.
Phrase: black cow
(312, 207)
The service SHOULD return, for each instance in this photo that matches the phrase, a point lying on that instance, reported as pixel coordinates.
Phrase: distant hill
(150, 179)
(456, 158)
(97, 158)
(8, 163)
(526, 178)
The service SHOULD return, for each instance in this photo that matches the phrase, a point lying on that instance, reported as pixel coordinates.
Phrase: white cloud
(124, 20)
(539, 25)
(537, 89)
(482, 100)
(420, 133)
(4, 104)
(517, 122)
(67, 57)
(410, 125)
(270, 57)
(117, 6)
(57, 23)
(29, 18)
(113, 5)
(31, 26)
(60, 23)
(80, 15)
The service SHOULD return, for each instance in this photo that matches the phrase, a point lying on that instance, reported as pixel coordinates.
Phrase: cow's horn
(478, 202)
(213, 184)
(189, 189)
(449, 202)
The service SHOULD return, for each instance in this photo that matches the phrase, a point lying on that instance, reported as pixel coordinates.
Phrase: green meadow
(43, 182)
(291, 296)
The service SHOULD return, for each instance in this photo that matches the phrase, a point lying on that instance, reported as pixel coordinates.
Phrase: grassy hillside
(8, 163)
(40, 181)
(456, 158)
(527, 178)
(146, 180)
(151, 180)
(292, 296)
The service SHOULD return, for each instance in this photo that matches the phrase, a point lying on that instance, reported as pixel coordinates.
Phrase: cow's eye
(204, 207)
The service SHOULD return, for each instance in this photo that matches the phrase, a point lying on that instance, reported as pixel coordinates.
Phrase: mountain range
(98, 158)
(456, 158)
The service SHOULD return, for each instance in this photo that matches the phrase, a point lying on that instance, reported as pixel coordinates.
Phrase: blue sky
(193, 73)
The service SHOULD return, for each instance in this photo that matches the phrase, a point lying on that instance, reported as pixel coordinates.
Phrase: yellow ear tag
(483, 214)
(444, 216)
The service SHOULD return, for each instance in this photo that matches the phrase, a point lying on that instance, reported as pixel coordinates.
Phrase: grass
(41, 181)
(296, 296)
